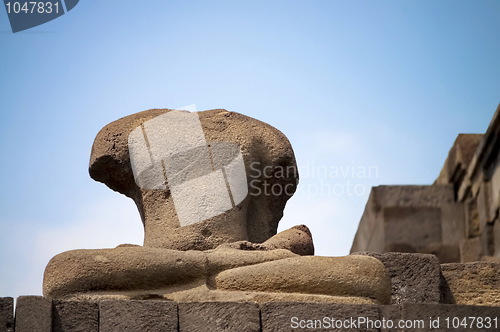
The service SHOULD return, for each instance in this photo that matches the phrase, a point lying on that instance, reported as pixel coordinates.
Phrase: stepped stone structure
(456, 218)
(425, 258)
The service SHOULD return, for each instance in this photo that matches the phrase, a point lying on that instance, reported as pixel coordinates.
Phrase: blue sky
(352, 84)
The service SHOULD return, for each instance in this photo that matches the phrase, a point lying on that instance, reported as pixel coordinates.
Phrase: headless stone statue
(210, 188)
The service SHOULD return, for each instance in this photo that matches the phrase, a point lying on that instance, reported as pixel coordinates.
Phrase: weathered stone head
(198, 179)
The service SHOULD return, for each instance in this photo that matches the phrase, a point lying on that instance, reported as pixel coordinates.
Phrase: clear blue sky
(353, 85)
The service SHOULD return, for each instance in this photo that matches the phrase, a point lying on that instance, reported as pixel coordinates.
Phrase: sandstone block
(410, 215)
(390, 313)
(493, 259)
(75, 316)
(483, 205)
(471, 249)
(370, 233)
(218, 317)
(475, 283)
(446, 253)
(6, 314)
(283, 316)
(132, 316)
(414, 277)
(33, 314)
(413, 195)
(450, 317)
(79, 270)
(495, 189)
(419, 226)
(471, 219)
(487, 240)
(459, 157)
(496, 237)
(453, 223)
(332, 276)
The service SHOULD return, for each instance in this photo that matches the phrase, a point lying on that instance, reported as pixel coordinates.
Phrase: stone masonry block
(483, 205)
(408, 215)
(370, 233)
(390, 313)
(471, 218)
(452, 223)
(133, 315)
(75, 316)
(471, 249)
(475, 283)
(450, 317)
(414, 277)
(496, 237)
(445, 253)
(287, 316)
(33, 314)
(459, 157)
(495, 190)
(413, 196)
(6, 314)
(418, 226)
(487, 241)
(218, 317)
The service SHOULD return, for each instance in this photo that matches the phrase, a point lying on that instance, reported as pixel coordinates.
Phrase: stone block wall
(424, 219)
(6, 314)
(456, 218)
(154, 315)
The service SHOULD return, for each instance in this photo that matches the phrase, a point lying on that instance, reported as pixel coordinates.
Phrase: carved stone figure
(211, 188)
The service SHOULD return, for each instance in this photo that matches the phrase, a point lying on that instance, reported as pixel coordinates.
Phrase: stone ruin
(456, 218)
(212, 259)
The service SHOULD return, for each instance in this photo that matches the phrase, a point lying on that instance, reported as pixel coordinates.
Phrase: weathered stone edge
(271, 315)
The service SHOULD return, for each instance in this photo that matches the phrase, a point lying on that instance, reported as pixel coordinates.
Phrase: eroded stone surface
(161, 315)
(133, 316)
(221, 316)
(390, 313)
(266, 153)
(414, 277)
(408, 219)
(475, 283)
(277, 317)
(33, 314)
(126, 269)
(444, 317)
(270, 275)
(6, 314)
(75, 316)
(331, 276)
(297, 239)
